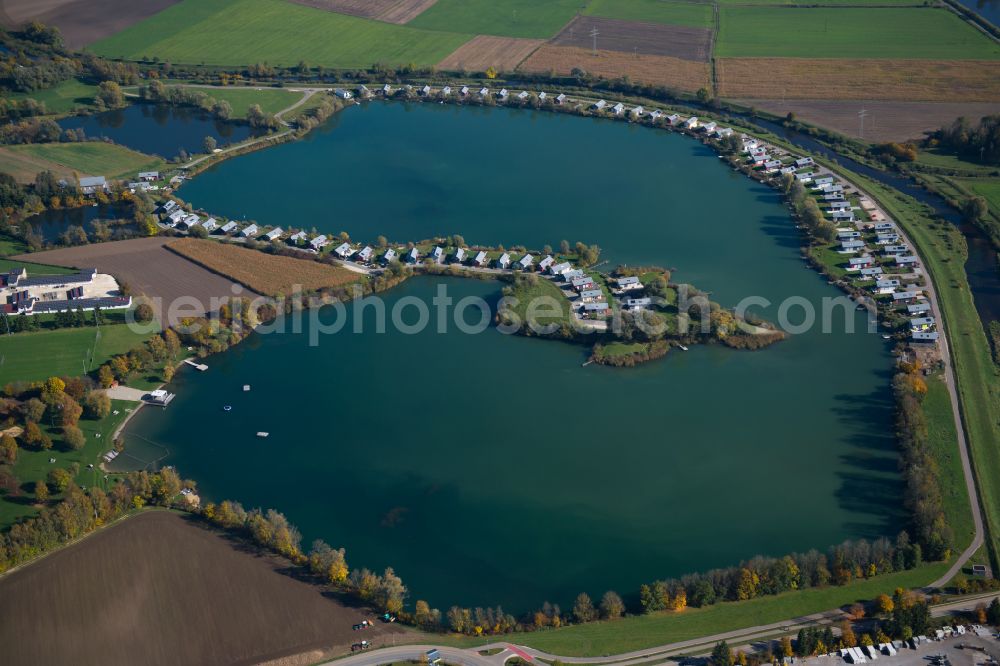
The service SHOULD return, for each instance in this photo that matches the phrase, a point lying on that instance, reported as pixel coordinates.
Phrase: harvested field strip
(905, 80)
(236, 32)
(193, 597)
(510, 18)
(267, 274)
(90, 157)
(390, 11)
(931, 33)
(655, 70)
(179, 288)
(694, 14)
(632, 38)
(485, 51)
(23, 166)
(885, 121)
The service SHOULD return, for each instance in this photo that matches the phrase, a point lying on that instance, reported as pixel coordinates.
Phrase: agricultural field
(861, 79)
(637, 38)
(390, 11)
(484, 51)
(507, 18)
(237, 32)
(64, 96)
(81, 23)
(267, 274)
(694, 14)
(95, 158)
(193, 596)
(885, 121)
(926, 33)
(657, 70)
(271, 100)
(66, 351)
(150, 270)
(989, 189)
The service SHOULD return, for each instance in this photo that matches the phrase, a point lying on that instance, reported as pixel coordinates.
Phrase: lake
(52, 222)
(158, 129)
(495, 469)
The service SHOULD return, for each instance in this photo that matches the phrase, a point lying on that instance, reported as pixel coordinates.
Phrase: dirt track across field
(632, 37)
(161, 588)
(151, 270)
(657, 70)
(885, 121)
(900, 80)
(81, 22)
(390, 11)
(485, 51)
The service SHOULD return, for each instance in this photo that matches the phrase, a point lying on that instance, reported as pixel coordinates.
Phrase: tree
(422, 613)
(993, 612)
(583, 608)
(105, 377)
(884, 604)
(144, 313)
(564, 246)
(74, 437)
(59, 479)
(53, 387)
(786, 647)
(8, 449)
(209, 144)
(847, 636)
(109, 96)
(96, 405)
(612, 606)
(975, 209)
(41, 491)
(722, 655)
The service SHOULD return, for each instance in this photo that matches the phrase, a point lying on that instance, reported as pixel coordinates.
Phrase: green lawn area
(32, 466)
(943, 160)
(64, 96)
(33, 269)
(927, 33)
(635, 633)
(834, 262)
(10, 246)
(989, 189)
(541, 309)
(812, 3)
(942, 438)
(66, 351)
(271, 100)
(509, 18)
(240, 32)
(95, 158)
(694, 14)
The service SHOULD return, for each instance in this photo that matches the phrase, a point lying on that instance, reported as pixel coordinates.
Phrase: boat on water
(227, 408)
(263, 434)
(246, 387)
(683, 348)
(886, 336)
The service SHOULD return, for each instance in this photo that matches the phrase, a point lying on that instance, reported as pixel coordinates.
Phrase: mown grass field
(94, 158)
(33, 465)
(271, 100)
(927, 33)
(63, 97)
(33, 269)
(989, 189)
(66, 351)
(507, 18)
(694, 14)
(942, 438)
(263, 273)
(238, 32)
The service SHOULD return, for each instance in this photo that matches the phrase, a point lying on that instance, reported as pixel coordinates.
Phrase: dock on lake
(194, 364)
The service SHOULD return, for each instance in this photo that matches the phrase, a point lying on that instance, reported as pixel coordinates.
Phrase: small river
(158, 129)
(494, 469)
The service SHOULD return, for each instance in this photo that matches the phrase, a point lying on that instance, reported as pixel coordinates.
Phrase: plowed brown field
(485, 51)
(390, 11)
(160, 589)
(903, 80)
(633, 37)
(81, 22)
(657, 70)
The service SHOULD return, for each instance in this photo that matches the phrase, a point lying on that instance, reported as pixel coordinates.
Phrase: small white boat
(228, 408)
(263, 434)
(683, 348)
(886, 336)
(246, 387)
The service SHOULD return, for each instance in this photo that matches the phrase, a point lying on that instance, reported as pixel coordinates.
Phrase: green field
(813, 3)
(988, 189)
(64, 96)
(271, 100)
(654, 11)
(927, 33)
(32, 466)
(240, 32)
(67, 351)
(95, 158)
(33, 269)
(942, 438)
(508, 18)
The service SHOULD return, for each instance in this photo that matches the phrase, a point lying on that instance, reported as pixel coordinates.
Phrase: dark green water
(492, 469)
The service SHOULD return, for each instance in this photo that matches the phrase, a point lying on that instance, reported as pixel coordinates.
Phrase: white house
(459, 255)
(583, 282)
(297, 236)
(559, 269)
(852, 245)
(637, 112)
(503, 94)
(386, 90)
(481, 258)
(149, 176)
(249, 231)
(464, 91)
(885, 286)
(691, 123)
(805, 161)
(526, 261)
(874, 271)
(523, 95)
(655, 114)
(342, 94)
(91, 184)
(599, 104)
(546, 262)
(210, 224)
(228, 227)
(638, 303)
(483, 92)
(445, 91)
(412, 256)
(365, 255)
(542, 96)
(344, 250)
(618, 109)
(190, 221)
(560, 98)
(319, 242)
(629, 283)
(503, 261)
(437, 254)
(389, 256)
(709, 127)
(591, 295)
(426, 90)
(864, 261)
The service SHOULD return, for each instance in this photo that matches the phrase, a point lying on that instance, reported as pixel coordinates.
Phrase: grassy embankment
(228, 32)
(33, 466)
(63, 97)
(88, 158)
(271, 100)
